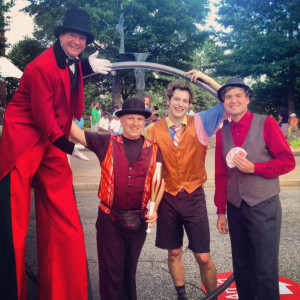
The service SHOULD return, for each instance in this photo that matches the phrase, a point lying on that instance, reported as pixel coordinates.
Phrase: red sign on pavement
(289, 290)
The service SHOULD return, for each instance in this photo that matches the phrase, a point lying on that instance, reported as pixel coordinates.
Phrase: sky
(21, 24)
(212, 15)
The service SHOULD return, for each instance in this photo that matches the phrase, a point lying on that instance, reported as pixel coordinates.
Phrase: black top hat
(134, 106)
(76, 20)
(233, 81)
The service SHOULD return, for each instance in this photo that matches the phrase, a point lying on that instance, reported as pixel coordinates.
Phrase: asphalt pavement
(153, 278)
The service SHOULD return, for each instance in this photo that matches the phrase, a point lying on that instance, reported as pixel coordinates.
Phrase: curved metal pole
(220, 289)
(161, 68)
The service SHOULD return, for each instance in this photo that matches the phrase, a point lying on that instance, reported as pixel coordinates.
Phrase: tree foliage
(4, 21)
(21, 54)
(263, 38)
(164, 28)
(25, 51)
(268, 97)
(93, 92)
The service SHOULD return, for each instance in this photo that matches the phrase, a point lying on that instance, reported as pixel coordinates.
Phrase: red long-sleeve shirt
(283, 159)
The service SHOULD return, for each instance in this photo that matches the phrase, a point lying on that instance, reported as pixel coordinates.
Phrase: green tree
(164, 28)
(92, 93)
(25, 51)
(268, 97)
(262, 39)
(21, 54)
(4, 21)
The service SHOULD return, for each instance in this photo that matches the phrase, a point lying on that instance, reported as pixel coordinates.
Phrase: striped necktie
(177, 134)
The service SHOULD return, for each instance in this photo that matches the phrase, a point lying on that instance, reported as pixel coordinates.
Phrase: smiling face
(178, 105)
(133, 125)
(73, 43)
(236, 103)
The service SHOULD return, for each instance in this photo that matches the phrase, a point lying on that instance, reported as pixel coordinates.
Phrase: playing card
(229, 158)
(232, 153)
(230, 165)
(240, 151)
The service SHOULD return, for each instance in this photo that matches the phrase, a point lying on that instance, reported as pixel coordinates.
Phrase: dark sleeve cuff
(64, 144)
(86, 68)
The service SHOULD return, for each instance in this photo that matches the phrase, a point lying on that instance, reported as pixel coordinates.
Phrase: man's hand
(243, 164)
(151, 220)
(98, 65)
(198, 75)
(77, 154)
(222, 224)
(195, 75)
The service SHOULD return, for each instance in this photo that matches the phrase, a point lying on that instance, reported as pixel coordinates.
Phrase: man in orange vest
(183, 142)
(35, 131)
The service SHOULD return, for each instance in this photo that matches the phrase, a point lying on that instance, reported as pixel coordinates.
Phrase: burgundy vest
(129, 179)
(123, 185)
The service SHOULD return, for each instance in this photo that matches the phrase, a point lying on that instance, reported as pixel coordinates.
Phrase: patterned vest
(184, 165)
(132, 181)
(252, 188)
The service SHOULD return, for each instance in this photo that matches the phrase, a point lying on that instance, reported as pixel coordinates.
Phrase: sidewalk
(87, 173)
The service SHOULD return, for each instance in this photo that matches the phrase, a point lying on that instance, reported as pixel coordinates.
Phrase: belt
(145, 210)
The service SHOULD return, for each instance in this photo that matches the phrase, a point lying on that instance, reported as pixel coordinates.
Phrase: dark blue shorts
(183, 211)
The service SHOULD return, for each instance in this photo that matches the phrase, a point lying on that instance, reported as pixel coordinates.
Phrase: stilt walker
(35, 136)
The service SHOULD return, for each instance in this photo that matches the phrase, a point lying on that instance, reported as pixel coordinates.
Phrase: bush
(87, 123)
(294, 142)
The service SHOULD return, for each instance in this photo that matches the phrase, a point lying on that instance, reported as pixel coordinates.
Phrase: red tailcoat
(41, 107)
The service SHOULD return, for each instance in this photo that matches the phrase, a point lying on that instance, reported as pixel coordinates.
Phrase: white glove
(99, 65)
(77, 154)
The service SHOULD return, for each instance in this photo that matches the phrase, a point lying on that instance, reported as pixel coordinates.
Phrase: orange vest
(294, 122)
(184, 165)
(106, 190)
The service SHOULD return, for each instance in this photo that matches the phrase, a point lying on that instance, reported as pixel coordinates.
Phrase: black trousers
(255, 234)
(118, 255)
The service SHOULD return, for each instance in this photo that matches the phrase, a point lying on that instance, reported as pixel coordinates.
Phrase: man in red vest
(127, 167)
(183, 142)
(35, 131)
